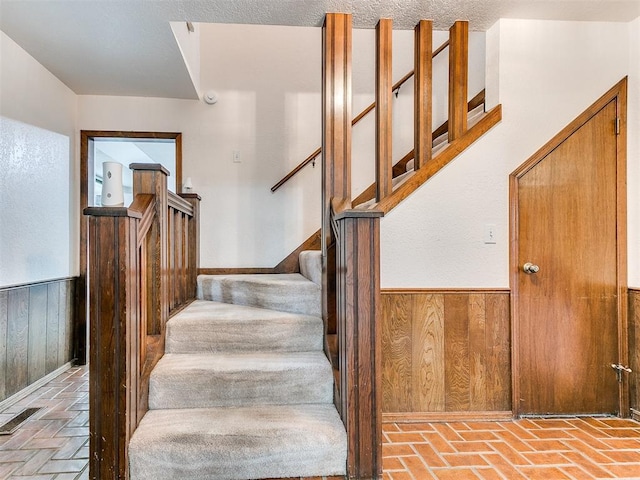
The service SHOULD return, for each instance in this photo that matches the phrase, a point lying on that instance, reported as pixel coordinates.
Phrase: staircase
(244, 390)
(235, 385)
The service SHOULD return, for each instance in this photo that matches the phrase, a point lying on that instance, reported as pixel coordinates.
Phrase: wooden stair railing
(132, 258)
(400, 167)
(312, 158)
(351, 235)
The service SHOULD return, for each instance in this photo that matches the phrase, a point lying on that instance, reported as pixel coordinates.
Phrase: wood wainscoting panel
(36, 330)
(457, 336)
(446, 351)
(634, 351)
(428, 386)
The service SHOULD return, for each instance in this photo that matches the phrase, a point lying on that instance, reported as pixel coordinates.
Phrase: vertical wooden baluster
(177, 252)
(458, 78)
(384, 121)
(336, 143)
(193, 228)
(171, 262)
(185, 260)
(423, 117)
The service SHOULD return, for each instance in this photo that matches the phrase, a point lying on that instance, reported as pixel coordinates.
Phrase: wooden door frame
(80, 329)
(619, 94)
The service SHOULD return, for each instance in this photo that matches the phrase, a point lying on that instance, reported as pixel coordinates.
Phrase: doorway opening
(127, 151)
(124, 147)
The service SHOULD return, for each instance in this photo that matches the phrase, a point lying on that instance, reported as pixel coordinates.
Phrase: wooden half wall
(446, 354)
(36, 332)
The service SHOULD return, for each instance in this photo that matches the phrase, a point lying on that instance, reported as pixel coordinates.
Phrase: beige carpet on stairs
(244, 392)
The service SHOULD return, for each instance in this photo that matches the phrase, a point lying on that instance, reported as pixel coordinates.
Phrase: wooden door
(567, 314)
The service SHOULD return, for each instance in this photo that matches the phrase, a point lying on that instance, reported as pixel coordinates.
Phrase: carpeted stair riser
(212, 380)
(284, 292)
(311, 265)
(239, 443)
(220, 327)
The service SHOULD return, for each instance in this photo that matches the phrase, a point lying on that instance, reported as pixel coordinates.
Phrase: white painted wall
(268, 80)
(38, 217)
(548, 73)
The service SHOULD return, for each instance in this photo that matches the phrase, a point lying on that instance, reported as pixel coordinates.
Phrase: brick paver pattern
(53, 444)
(560, 448)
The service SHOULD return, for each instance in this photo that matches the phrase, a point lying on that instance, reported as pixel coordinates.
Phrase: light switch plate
(490, 233)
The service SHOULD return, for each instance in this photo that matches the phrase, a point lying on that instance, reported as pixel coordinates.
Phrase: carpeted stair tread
(235, 379)
(206, 326)
(244, 390)
(239, 443)
(284, 292)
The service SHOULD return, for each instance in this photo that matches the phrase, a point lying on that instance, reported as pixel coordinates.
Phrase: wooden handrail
(299, 167)
(178, 203)
(395, 88)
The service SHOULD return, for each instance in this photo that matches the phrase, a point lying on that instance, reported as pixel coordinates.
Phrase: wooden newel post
(151, 178)
(114, 339)
(358, 305)
(336, 143)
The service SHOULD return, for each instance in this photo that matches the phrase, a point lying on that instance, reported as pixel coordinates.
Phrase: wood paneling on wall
(634, 349)
(36, 332)
(446, 351)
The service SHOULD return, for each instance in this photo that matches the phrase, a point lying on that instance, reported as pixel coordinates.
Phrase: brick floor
(549, 449)
(53, 444)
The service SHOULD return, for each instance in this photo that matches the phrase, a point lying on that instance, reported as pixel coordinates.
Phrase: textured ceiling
(126, 47)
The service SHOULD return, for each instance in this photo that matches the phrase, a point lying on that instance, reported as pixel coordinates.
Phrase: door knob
(530, 268)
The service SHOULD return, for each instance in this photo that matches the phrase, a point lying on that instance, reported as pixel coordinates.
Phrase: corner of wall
(492, 66)
(189, 46)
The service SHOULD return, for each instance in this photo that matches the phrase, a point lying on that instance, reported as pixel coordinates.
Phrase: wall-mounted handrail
(311, 158)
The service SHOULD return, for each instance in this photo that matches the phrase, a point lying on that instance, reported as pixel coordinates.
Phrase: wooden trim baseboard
(40, 282)
(235, 271)
(16, 397)
(422, 417)
(441, 291)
